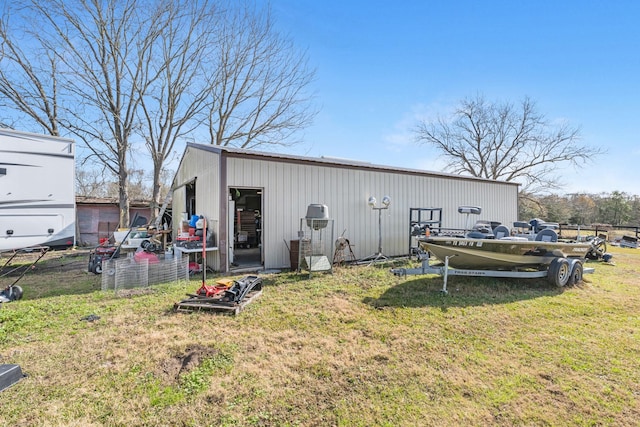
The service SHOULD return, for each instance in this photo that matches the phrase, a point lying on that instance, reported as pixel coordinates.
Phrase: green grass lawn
(360, 347)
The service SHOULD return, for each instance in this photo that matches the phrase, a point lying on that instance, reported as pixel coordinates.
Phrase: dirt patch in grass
(185, 361)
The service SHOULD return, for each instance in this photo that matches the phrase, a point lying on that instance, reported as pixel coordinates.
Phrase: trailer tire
(559, 272)
(577, 270)
(11, 293)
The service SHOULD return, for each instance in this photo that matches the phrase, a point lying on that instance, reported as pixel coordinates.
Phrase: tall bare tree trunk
(123, 193)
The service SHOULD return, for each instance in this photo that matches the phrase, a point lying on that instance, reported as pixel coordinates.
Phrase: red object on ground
(211, 290)
(139, 256)
(105, 250)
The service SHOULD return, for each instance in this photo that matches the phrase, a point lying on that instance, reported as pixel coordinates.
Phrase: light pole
(386, 201)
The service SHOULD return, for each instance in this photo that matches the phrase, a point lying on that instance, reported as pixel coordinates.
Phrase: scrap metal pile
(226, 296)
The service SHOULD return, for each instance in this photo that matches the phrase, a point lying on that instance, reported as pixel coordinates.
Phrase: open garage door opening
(245, 225)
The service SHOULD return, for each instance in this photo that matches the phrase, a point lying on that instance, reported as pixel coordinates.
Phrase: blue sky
(383, 65)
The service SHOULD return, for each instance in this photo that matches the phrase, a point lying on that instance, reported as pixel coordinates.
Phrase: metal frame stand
(422, 217)
(314, 249)
(379, 256)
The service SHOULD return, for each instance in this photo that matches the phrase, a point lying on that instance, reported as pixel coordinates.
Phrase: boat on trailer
(529, 250)
(501, 254)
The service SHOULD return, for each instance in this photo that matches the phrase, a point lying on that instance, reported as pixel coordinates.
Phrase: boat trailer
(560, 272)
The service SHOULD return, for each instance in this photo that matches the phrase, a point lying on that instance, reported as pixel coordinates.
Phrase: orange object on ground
(211, 290)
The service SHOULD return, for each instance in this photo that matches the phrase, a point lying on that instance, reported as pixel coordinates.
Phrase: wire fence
(129, 273)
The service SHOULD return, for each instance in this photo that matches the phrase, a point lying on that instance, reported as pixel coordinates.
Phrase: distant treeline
(616, 208)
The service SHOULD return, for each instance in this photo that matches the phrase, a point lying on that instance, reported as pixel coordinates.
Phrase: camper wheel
(11, 293)
(559, 272)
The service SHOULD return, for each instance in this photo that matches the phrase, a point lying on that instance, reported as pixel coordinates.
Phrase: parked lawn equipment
(102, 253)
(148, 250)
(106, 251)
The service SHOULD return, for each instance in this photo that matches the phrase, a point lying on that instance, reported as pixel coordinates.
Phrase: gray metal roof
(330, 161)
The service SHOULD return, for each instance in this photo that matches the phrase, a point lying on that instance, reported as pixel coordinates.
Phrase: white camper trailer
(37, 195)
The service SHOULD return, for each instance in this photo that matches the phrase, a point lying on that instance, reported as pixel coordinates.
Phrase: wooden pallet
(215, 304)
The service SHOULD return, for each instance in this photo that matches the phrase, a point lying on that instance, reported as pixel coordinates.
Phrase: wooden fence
(572, 229)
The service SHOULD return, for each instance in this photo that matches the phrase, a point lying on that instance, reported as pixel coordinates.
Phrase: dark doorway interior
(190, 198)
(247, 229)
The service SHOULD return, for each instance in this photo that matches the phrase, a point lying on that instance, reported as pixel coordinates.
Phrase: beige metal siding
(206, 167)
(289, 187)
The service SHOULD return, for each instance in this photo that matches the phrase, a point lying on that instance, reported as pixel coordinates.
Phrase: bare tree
(138, 185)
(91, 183)
(230, 66)
(179, 85)
(103, 48)
(28, 81)
(259, 96)
(505, 142)
(128, 72)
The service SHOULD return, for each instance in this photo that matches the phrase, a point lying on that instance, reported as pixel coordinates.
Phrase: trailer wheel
(559, 272)
(11, 293)
(576, 272)
(17, 292)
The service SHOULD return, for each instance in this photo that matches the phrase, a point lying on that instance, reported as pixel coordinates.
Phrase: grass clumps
(357, 347)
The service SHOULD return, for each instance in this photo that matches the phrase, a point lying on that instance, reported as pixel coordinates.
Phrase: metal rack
(422, 217)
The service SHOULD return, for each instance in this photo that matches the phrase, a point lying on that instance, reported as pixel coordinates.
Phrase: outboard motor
(535, 224)
(481, 230)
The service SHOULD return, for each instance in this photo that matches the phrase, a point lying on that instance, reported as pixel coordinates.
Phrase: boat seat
(501, 232)
(547, 235)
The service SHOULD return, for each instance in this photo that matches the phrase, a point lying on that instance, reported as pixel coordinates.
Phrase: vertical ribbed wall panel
(289, 187)
(206, 167)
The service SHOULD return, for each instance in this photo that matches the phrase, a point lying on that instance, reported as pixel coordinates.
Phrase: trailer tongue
(13, 292)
